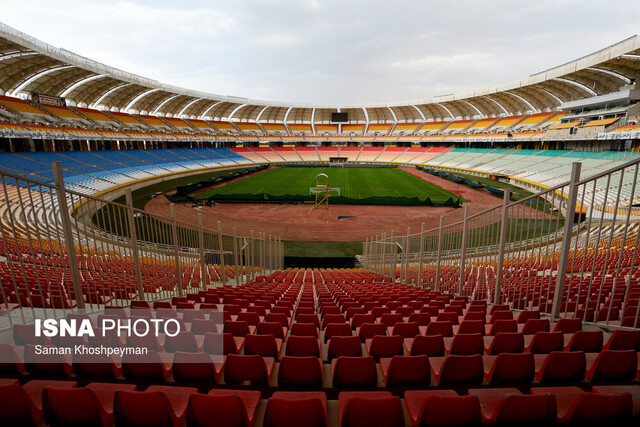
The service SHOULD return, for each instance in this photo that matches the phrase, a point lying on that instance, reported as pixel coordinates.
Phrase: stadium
(465, 259)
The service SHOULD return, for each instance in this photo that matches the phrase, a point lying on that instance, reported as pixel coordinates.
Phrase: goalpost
(323, 191)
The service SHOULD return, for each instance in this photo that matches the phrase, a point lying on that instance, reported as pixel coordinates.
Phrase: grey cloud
(328, 51)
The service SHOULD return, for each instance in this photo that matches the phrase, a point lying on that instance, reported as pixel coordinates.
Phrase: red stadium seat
(455, 369)
(369, 330)
(253, 368)
(406, 329)
(303, 409)
(587, 341)
(506, 342)
(442, 408)
(158, 405)
(194, 367)
(568, 326)
(406, 370)
(358, 319)
(263, 345)
(503, 325)
(304, 329)
(561, 366)
(614, 365)
(22, 405)
(579, 407)
(546, 342)
(429, 345)
(88, 405)
(508, 406)
(337, 329)
(300, 371)
(471, 327)
(443, 328)
(302, 346)
(377, 408)
(385, 346)
(509, 368)
(466, 344)
(271, 328)
(344, 346)
(354, 371)
(623, 339)
(533, 326)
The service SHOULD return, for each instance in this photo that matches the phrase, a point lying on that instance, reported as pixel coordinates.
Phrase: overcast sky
(328, 51)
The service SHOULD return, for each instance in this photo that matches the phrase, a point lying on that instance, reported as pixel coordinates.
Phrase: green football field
(355, 183)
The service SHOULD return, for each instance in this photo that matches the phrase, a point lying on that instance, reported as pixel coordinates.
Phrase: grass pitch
(354, 183)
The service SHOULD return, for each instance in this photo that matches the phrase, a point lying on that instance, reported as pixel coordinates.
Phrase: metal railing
(569, 251)
(64, 249)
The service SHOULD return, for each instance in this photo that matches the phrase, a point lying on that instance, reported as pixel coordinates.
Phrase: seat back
(263, 345)
(183, 341)
(270, 328)
(71, 406)
(503, 325)
(623, 339)
(300, 371)
(462, 369)
(429, 345)
(406, 329)
(507, 342)
(407, 370)
(561, 366)
(531, 326)
(512, 368)
(337, 329)
(350, 371)
(439, 327)
(614, 365)
(193, 367)
(422, 319)
(594, 407)
(142, 408)
(466, 344)
(237, 328)
(531, 409)
(390, 319)
(252, 318)
(303, 412)
(546, 342)
(302, 346)
(238, 368)
(369, 330)
(304, 329)
(568, 326)
(344, 346)
(370, 411)
(358, 319)
(587, 341)
(386, 346)
(15, 406)
(450, 410)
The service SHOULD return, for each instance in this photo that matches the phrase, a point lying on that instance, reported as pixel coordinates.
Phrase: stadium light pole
(134, 243)
(463, 250)
(223, 272)
(439, 257)
(236, 260)
(421, 256)
(565, 247)
(501, 249)
(176, 254)
(68, 234)
(203, 266)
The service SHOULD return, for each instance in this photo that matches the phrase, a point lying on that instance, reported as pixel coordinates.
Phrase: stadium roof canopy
(28, 65)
